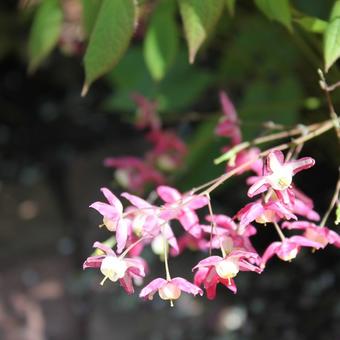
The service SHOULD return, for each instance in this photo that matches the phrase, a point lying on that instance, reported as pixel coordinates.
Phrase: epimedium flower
(278, 175)
(216, 269)
(169, 289)
(315, 233)
(116, 268)
(182, 207)
(151, 225)
(263, 213)
(112, 213)
(134, 173)
(288, 248)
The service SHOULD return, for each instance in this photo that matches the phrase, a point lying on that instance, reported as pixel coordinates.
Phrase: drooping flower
(169, 289)
(182, 207)
(116, 268)
(216, 269)
(168, 150)
(112, 213)
(278, 175)
(263, 213)
(228, 125)
(147, 112)
(315, 233)
(288, 249)
(133, 173)
(150, 221)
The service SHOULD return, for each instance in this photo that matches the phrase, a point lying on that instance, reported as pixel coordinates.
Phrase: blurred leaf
(109, 39)
(265, 101)
(161, 41)
(276, 10)
(231, 6)
(178, 90)
(199, 18)
(90, 11)
(45, 32)
(332, 37)
(311, 24)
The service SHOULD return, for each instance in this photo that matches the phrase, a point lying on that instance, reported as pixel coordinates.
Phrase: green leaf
(332, 37)
(276, 10)
(109, 39)
(181, 87)
(312, 24)
(161, 41)
(90, 12)
(230, 6)
(44, 33)
(199, 18)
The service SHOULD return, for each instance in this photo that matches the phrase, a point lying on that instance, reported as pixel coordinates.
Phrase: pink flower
(148, 220)
(112, 213)
(116, 268)
(168, 151)
(228, 126)
(287, 249)
(246, 156)
(321, 235)
(133, 173)
(278, 175)
(216, 269)
(231, 235)
(147, 112)
(263, 213)
(182, 207)
(169, 289)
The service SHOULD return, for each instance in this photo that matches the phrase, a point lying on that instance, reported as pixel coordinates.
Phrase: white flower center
(158, 245)
(228, 268)
(113, 268)
(169, 292)
(281, 179)
(289, 256)
(109, 224)
(228, 244)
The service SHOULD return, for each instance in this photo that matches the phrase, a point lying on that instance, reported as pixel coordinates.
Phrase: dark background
(52, 145)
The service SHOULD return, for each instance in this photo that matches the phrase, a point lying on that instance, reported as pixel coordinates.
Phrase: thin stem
(122, 255)
(279, 231)
(327, 125)
(333, 202)
(166, 264)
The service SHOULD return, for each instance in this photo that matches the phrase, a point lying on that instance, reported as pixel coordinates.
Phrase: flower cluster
(276, 202)
(167, 153)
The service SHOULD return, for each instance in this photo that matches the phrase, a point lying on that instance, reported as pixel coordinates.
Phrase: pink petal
(301, 164)
(275, 160)
(228, 107)
(169, 235)
(137, 265)
(270, 252)
(230, 284)
(137, 201)
(186, 286)
(168, 194)
(197, 202)
(126, 283)
(113, 200)
(302, 241)
(106, 210)
(152, 288)
(258, 187)
(249, 213)
(104, 248)
(93, 261)
(122, 234)
(209, 261)
(189, 221)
